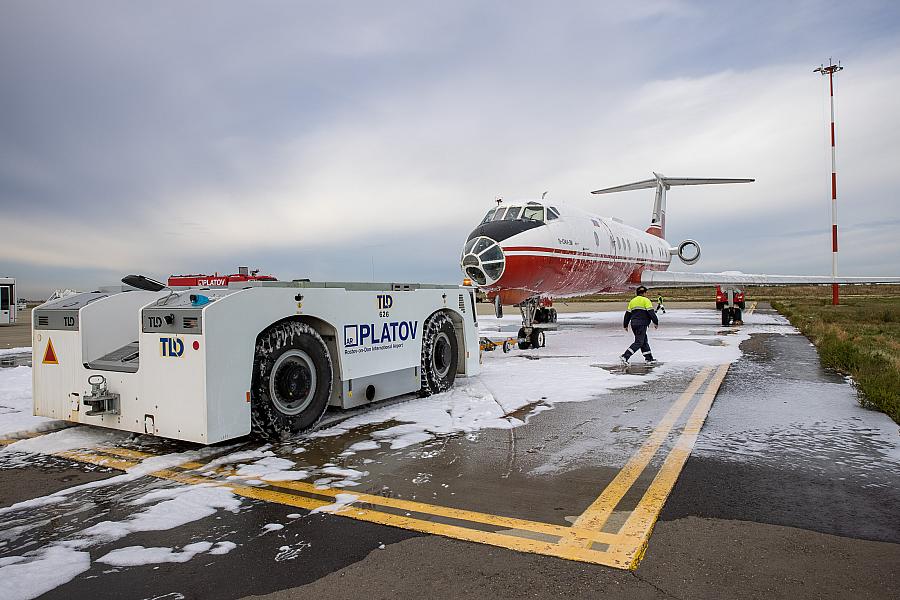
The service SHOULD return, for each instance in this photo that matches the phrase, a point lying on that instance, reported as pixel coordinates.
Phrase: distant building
(8, 300)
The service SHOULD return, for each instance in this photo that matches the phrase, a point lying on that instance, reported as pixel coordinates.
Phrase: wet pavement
(790, 491)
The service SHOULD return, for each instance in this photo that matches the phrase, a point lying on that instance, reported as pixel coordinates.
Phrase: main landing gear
(732, 312)
(536, 319)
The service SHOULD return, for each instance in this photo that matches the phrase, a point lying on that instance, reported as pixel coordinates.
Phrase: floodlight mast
(830, 70)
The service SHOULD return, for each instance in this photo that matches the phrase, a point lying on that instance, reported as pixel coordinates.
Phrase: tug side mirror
(143, 283)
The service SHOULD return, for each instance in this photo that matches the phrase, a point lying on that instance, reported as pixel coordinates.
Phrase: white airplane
(529, 253)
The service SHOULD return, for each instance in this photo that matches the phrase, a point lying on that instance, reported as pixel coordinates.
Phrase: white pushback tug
(267, 357)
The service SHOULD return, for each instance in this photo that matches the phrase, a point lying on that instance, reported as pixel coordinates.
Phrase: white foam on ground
(70, 438)
(223, 547)
(26, 577)
(133, 556)
(23, 350)
(173, 508)
(272, 527)
(15, 402)
(57, 563)
(272, 469)
(340, 501)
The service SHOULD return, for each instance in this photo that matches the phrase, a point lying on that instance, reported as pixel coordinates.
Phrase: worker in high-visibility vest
(640, 314)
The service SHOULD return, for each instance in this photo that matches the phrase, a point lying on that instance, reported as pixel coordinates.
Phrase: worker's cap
(641, 290)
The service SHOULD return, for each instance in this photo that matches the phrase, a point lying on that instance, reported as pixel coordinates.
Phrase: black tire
(720, 305)
(741, 305)
(726, 317)
(440, 354)
(553, 315)
(506, 347)
(538, 339)
(292, 380)
(523, 341)
(738, 317)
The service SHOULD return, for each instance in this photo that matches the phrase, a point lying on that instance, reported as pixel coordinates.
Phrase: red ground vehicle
(243, 274)
(722, 298)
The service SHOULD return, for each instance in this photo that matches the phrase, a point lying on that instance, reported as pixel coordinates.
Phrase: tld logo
(385, 301)
(171, 347)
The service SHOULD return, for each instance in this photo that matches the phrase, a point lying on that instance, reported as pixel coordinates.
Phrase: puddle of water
(713, 342)
(538, 357)
(717, 332)
(630, 369)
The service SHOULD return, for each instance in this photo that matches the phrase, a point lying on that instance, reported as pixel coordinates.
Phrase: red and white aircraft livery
(528, 253)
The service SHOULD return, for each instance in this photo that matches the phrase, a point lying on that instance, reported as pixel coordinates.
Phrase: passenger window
(512, 213)
(533, 213)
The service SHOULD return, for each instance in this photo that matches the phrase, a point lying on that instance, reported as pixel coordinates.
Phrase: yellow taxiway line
(623, 549)
(639, 525)
(596, 515)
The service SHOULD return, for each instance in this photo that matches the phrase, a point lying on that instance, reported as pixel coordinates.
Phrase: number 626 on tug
(206, 365)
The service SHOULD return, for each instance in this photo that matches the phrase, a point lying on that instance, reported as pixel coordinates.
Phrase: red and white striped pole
(830, 70)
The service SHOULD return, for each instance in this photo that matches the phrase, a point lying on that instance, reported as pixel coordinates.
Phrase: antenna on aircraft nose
(544, 195)
(498, 200)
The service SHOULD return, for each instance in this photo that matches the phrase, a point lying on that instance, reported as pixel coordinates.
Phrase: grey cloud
(215, 126)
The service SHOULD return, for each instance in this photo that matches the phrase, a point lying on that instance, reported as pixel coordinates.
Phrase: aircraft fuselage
(556, 251)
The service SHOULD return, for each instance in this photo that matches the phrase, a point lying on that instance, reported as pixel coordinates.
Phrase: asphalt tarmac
(786, 494)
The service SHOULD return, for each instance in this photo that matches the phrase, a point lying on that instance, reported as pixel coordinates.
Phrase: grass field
(860, 338)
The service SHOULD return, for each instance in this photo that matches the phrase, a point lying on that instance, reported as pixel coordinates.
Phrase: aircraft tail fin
(663, 183)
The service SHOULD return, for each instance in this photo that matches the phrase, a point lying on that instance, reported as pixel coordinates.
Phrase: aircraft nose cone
(483, 260)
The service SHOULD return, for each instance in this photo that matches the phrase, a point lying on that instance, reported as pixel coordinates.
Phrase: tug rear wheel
(440, 354)
(538, 339)
(292, 380)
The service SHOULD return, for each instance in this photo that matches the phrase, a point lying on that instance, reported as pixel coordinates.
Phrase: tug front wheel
(524, 341)
(292, 380)
(440, 355)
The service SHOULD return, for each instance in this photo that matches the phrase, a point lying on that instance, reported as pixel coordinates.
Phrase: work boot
(648, 357)
(624, 360)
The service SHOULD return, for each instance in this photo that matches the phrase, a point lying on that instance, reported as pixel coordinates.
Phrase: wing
(676, 279)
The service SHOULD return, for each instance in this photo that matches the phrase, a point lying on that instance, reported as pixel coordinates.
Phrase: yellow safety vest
(640, 302)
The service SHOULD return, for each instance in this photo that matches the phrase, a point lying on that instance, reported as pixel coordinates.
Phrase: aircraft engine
(688, 251)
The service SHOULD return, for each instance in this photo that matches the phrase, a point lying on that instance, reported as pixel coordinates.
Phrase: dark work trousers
(640, 341)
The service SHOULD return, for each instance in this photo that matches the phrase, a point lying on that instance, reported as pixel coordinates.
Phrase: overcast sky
(352, 140)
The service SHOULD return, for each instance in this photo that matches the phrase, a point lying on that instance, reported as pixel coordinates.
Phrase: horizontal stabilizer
(675, 279)
(668, 182)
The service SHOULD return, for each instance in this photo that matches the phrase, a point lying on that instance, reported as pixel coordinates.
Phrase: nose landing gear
(536, 320)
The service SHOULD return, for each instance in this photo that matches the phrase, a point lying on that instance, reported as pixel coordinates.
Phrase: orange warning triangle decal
(50, 354)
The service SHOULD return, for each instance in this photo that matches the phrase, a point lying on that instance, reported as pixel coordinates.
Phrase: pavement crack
(656, 587)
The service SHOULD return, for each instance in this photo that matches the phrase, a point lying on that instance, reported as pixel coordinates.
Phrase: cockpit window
(533, 213)
(499, 214)
(488, 216)
(469, 246)
(552, 213)
(512, 213)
